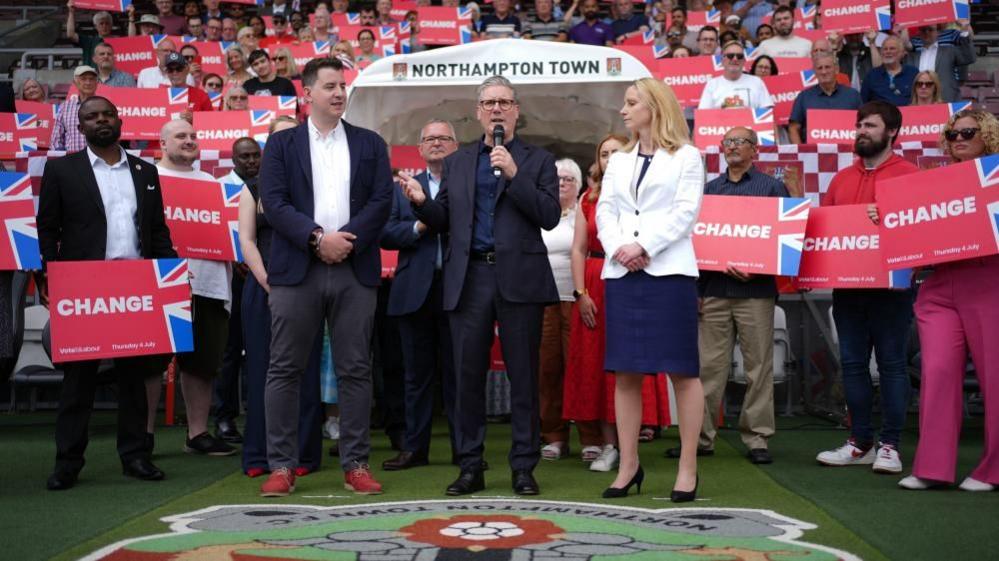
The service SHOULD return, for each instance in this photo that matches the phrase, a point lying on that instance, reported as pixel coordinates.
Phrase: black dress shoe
(760, 456)
(468, 482)
(675, 452)
(226, 430)
(524, 483)
(685, 496)
(620, 492)
(405, 460)
(61, 481)
(143, 469)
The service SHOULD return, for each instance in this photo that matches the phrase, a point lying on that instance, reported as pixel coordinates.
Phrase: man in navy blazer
(494, 200)
(416, 298)
(326, 189)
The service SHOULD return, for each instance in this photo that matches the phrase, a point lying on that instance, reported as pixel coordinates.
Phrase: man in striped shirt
(65, 131)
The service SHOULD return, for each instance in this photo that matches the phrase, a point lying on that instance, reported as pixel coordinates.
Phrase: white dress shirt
(662, 218)
(120, 206)
(330, 177)
(211, 279)
(928, 58)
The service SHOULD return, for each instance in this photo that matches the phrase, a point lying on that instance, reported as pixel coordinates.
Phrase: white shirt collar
(94, 158)
(314, 133)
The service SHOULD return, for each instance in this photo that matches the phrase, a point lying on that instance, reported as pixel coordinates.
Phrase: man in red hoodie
(880, 317)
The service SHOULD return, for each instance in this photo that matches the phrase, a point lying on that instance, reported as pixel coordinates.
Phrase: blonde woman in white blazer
(648, 206)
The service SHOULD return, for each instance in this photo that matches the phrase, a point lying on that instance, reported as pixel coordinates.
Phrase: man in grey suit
(944, 59)
(495, 197)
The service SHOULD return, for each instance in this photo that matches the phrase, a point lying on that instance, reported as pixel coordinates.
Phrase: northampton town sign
(477, 530)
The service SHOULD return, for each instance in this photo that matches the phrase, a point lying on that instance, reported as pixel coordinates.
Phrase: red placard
(831, 126)
(132, 54)
(444, 26)
(842, 250)
(786, 65)
(203, 217)
(939, 215)
(407, 158)
(646, 54)
(855, 16)
(933, 162)
(687, 76)
(105, 5)
(304, 52)
(917, 13)
(700, 18)
(18, 229)
(386, 37)
(279, 104)
(758, 235)
(784, 89)
(114, 309)
(804, 18)
(217, 130)
(640, 39)
(402, 7)
(390, 260)
(247, 2)
(710, 125)
(144, 111)
(20, 132)
(212, 55)
(926, 122)
(45, 113)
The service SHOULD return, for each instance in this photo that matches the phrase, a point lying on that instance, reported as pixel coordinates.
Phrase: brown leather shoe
(405, 460)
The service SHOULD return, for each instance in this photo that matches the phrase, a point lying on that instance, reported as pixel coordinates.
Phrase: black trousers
(226, 402)
(76, 403)
(427, 350)
(472, 324)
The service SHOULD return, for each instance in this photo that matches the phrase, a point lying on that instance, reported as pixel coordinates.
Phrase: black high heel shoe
(685, 496)
(619, 492)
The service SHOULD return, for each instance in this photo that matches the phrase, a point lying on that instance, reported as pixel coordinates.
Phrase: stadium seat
(979, 78)
(33, 368)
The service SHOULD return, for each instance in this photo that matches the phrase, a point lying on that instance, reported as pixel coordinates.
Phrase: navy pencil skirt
(652, 324)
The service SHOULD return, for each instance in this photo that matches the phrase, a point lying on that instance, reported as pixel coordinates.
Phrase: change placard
(203, 217)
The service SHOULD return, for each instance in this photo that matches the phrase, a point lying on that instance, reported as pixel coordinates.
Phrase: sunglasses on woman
(925, 84)
(735, 56)
(966, 134)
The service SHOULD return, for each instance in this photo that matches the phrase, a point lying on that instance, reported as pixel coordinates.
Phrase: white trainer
(846, 455)
(607, 460)
(914, 483)
(331, 428)
(975, 485)
(888, 460)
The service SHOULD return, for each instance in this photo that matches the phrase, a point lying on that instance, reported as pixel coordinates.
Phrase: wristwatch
(316, 238)
(577, 293)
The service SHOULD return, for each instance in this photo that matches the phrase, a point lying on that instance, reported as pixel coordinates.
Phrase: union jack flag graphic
(261, 117)
(19, 250)
(714, 17)
(807, 12)
(353, 18)
(24, 121)
(959, 106)
(320, 47)
(659, 51)
(988, 170)
(177, 96)
(764, 116)
(170, 272)
(405, 28)
(900, 278)
(790, 245)
(464, 13)
(287, 103)
(884, 16)
(179, 326)
(808, 79)
(716, 61)
(28, 144)
(387, 32)
(466, 33)
(962, 10)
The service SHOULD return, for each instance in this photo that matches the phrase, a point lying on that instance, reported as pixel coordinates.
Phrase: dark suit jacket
(287, 196)
(72, 225)
(524, 205)
(949, 57)
(863, 63)
(417, 254)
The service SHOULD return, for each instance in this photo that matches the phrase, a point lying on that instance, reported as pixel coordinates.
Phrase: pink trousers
(957, 310)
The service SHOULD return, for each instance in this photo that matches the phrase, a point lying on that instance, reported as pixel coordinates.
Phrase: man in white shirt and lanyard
(211, 285)
(416, 298)
(156, 76)
(734, 88)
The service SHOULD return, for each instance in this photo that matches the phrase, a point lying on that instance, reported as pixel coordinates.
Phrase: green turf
(905, 525)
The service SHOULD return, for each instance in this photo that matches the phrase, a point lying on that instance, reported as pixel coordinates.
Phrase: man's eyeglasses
(735, 56)
(925, 84)
(566, 179)
(736, 142)
(966, 134)
(436, 139)
(490, 104)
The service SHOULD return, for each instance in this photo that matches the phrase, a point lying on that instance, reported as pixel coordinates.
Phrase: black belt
(596, 254)
(487, 256)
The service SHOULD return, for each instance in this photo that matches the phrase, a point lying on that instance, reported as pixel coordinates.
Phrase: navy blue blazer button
(636, 212)
(636, 233)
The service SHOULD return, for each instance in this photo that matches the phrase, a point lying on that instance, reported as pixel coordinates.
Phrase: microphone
(498, 134)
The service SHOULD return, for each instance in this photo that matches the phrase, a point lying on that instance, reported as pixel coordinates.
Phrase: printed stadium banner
(132, 54)
(121, 308)
(710, 125)
(784, 89)
(926, 122)
(444, 26)
(842, 250)
(758, 235)
(212, 55)
(855, 16)
(217, 130)
(916, 13)
(45, 113)
(304, 52)
(700, 18)
(105, 5)
(942, 214)
(203, 217)
(687, 76)
(144, 111)
(279, 104)
(831, 126)
(20, 132)
(19, 248)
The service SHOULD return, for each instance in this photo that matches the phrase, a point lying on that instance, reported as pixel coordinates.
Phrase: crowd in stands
(895, 68)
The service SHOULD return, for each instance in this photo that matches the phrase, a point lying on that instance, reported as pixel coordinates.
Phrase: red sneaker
(302, 471)
(280, 483)
(255, 472)
(360, 481)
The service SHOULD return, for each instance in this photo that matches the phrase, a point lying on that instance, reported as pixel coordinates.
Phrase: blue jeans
(877, 319)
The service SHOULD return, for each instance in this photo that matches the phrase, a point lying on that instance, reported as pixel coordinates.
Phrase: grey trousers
(331, 293)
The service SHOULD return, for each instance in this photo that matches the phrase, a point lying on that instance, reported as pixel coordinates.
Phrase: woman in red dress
(588, 396)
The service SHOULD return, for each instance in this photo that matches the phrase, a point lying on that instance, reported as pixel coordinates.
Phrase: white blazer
(663, 217)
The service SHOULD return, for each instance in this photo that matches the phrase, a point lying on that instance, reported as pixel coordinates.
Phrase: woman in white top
(554, 349)
(651, 194)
